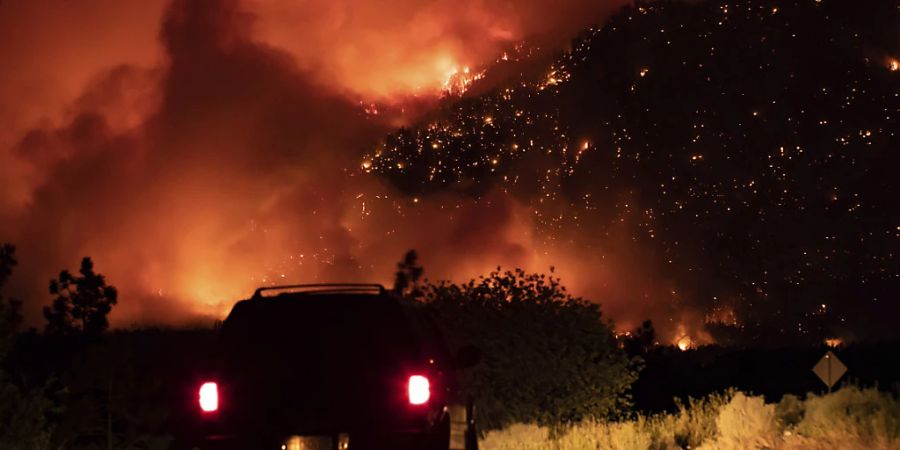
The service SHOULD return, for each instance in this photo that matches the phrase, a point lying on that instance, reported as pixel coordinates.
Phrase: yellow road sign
(830, 369)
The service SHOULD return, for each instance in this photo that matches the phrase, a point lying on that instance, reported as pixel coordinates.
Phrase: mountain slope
(749, 146)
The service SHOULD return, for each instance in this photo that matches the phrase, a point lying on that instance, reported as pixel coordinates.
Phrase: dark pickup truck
(330, 367)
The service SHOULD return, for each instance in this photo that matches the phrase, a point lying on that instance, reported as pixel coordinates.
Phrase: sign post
(830, 369)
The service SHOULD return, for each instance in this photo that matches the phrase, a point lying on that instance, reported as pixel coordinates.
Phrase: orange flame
(685, 343)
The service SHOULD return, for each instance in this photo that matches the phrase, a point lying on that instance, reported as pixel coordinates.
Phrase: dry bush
(662, 432)
(789, 410)
(629, 435)
(589, 435)
(866, 416)
(745, 423)
(849, 419)
(586, 435)
(695, 422)
(518, 437)
(632, 435)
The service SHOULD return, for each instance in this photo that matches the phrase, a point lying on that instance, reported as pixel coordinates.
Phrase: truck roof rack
(324, 288)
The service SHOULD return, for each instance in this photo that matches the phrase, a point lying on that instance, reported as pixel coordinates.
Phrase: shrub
(628, 436)
(23, 414)
(23, 408)
(549, 358)
(865, 414)
(789, 410)
(745, 423)
(695, 422)
(518, 437)
(633, 435)
(849, 419)
(589, 434)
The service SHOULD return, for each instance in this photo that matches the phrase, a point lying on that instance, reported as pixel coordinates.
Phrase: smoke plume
(198, 149)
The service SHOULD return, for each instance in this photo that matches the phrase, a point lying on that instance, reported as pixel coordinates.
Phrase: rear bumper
(380, 441)
(435, 436)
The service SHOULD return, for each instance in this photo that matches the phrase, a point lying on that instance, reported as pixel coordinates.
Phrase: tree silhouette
(7, 262)
(81, 304)
(641, 340)
(10, 309)
(406, 281)
(549, 358)
(24, 408)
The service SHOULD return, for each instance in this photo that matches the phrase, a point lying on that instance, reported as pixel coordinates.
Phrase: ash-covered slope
(750, 147)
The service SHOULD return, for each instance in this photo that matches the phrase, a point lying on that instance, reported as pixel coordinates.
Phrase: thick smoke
(398, 49)
(199, 149)
(51, 50)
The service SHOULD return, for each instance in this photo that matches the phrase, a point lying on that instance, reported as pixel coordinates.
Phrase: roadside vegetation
(850, 418)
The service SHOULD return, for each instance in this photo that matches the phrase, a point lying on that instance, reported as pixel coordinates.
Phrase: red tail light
(209, 397)
(419, 390)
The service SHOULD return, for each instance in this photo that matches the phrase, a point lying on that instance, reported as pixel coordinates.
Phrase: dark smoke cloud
(216, 153)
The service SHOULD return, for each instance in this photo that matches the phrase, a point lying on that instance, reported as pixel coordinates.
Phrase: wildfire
(556, 76)
(458, 82)
(685, 343)
(723, 315)
(834, 342)
(370, 109)
(893, 64)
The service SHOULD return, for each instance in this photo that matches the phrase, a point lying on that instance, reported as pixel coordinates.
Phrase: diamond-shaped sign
(830, 369)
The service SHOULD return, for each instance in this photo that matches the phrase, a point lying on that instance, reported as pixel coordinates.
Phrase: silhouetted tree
(641, 340)
(23, 409)
(549, 357)
(82, 303)
(10, 309)
(7, 262)
(406, 281)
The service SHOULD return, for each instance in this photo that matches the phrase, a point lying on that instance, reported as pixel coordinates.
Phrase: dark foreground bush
(549, 358)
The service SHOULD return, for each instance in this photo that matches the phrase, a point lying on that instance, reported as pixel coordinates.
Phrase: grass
(850, 418)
